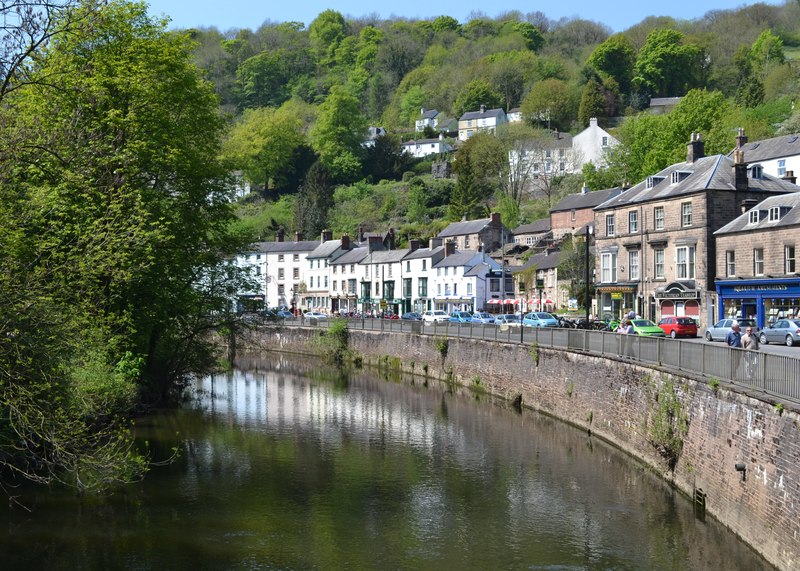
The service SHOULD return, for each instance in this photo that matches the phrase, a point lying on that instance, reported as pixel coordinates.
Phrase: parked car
(539, 319)
(315, 315)
(782, 331)
(678, 326)
(435, 316)
(720, 329)
(283, 314)
(482, 317)
(647, 328)
(411, 316)
(460, 317)
(507, 319)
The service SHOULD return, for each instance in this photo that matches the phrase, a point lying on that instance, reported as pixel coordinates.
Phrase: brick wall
(772, 241)
(619, 402)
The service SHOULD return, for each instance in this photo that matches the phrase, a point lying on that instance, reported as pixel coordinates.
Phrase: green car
(647, 328)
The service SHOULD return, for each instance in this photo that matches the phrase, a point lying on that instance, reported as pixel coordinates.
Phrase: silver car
(782, 331)
(720, 329)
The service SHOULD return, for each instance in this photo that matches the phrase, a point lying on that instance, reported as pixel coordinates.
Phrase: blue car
(539, 319)
(460, 317)
(481, 317)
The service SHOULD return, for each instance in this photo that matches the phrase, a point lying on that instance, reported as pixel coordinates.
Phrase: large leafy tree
(551, 102)
(474, 94)
(338, 134)
(668, 65)
(614, 58)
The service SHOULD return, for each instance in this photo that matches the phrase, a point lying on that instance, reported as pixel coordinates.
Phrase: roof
(353, 256)
(281, 247)
(479, 269)
(420, 253)
(664, 101)
(543, 261)
(387, 256)
(457, 259)
(777, 147)
(482, 114)
(325, 249)
(536, 227)
(464, 227)
(424, 142)
(789, 209)
(587, 200)
(704, 174)
(429, 113)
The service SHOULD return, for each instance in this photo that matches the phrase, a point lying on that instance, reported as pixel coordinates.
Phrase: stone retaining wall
(662, 419)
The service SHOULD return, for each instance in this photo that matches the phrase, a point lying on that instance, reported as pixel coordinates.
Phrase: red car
(678, 326)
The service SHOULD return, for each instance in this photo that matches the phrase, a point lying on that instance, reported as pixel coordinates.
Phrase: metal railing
(774, 375)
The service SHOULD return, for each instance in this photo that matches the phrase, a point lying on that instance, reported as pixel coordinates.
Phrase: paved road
(771, 348)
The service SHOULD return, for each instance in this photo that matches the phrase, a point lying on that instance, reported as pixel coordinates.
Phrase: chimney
(298, 236)
(435, 242)
(585, 189)
(494, 219)
(374, 244)
(449, 248)
(741, 138)
(413, 245)
(390, 236)
(747, 204)
(626, 184)
(441, 136)
(327, 235)
(789, 176)
(422, 111)
(345, 242)
(593, 122)
(695, 148)
(483, 108)
(739, 170)
(360, 233)
(280, 235)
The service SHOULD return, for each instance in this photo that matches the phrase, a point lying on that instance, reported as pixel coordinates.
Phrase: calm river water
(282, 467)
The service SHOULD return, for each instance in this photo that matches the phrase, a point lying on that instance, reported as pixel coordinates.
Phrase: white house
(515, 115)
(485, 120)
(456, 286)
(418, 270)
(591, 145)
(346, 275)
(423, 147)
(428, 118)
(779, 156)
(284, 266)
(316, 294)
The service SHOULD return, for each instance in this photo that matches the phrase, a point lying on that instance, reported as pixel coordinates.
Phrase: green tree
(534, 39)
(314, 201)
(475, 185)
(593, 103)
(667, 65)
(338, 134)
(615, 58)
(326, 32)
(474, 94)
(551, 102)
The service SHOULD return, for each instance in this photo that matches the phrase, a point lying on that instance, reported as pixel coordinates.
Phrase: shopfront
(679, 299)
(762, 300)
(615, 300)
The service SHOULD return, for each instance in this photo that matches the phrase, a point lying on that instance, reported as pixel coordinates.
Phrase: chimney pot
(345, 242)
(280, 235)
(789, 176)
(327, 235)
(298, 236)
(695, 149)
(741, 138)
(483, 108)
(449, 248)
(413, 245)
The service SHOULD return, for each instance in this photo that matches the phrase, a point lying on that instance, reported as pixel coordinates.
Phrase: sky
(617, 14)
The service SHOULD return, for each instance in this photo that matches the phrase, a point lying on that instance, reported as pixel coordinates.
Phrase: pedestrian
(734, 336)
(749, 340)
(750, 344)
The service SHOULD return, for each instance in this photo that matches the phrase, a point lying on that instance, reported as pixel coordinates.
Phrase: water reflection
(285, 468)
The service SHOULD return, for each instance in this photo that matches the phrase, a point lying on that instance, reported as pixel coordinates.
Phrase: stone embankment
(736, 456)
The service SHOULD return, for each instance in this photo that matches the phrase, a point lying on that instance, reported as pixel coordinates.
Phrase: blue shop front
(763, 300)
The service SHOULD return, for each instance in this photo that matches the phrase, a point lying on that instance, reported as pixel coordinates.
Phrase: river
(285, 464)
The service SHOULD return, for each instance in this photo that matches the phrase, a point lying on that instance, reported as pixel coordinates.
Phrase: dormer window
(752, 217)
(756, 171)
(653, 181)
(678, 176)
(774, 213)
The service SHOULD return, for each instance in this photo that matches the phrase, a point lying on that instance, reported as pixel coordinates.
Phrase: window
(548, 153)
(774, 213)
(296, 273)
(758, 261)
(633, 221)
(658, 218)
(422, 287)
(572, 215)
(351, 286)
(686, 214)
(296, 258)
(469, 288)
(406, 287)
(466, 242)
(424, 262)
(658, 263)
(335, 285)
(608, 267)
(408, 265)
(562, 153)
(352, 268)
(781, 167)
(281, 291)
(604, 141)
(730, 263)
(280, 257)
(439, 289)
(633, 265)
(684, 263)
(455, 289)
(789, 259)
(334, 268)
(326, 281)
(752, 217)
(562, 166)
(609, 224)
(280, 273)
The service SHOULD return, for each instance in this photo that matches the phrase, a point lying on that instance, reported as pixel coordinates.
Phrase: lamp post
(589, 230)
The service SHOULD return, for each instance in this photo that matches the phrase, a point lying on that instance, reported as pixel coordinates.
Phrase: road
(778, 349)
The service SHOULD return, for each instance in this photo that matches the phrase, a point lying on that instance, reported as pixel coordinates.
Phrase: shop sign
(616, 295)
(676, 294)
(740, 289)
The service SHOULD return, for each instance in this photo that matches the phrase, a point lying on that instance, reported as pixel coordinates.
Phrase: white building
(423, 147)
(346, 275)
(315, 290)
(418, 270)
(778, 157)
(428, 118)
(591, 145)
(456, 286)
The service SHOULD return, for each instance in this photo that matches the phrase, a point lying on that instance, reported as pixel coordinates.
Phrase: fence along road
(773, 375)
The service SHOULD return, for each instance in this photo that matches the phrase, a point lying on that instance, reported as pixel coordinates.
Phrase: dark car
(678, 326)
(411, 316)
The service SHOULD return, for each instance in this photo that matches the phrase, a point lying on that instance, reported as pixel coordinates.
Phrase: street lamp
(589, 230)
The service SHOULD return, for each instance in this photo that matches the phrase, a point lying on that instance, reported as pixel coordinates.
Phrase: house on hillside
(757, 271)
(663, 105)
(778, 156)
(427, 118)
(532, 233)
(575, 211)
(486, 234)
(485, 120)
(591, 144)
(655, 250)
(421, 148)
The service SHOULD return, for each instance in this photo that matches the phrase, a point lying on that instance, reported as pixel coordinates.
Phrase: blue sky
(617, 14)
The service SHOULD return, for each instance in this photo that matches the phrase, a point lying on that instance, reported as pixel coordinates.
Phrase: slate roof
(775, 148)
(469, 115)
(430, 114)
(536, 227)
(387, 256)
(541, 261)
(281, 247)
(789, 205)
(420, 253)
(479, 269)
(352, 256)
(325, 249)
(588, 200)
(464, 227)
(458, 259)
(424, 142)
(707, 173)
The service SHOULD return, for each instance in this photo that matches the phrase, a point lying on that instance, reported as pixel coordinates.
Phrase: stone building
(757, 262)
(485, 234)
(655, 249)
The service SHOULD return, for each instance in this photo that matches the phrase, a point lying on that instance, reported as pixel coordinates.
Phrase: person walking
(734, 336)
(750, 344)
(750, 340)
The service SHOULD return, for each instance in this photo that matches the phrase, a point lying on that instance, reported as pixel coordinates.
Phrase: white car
(435, 316)
(315, 315)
